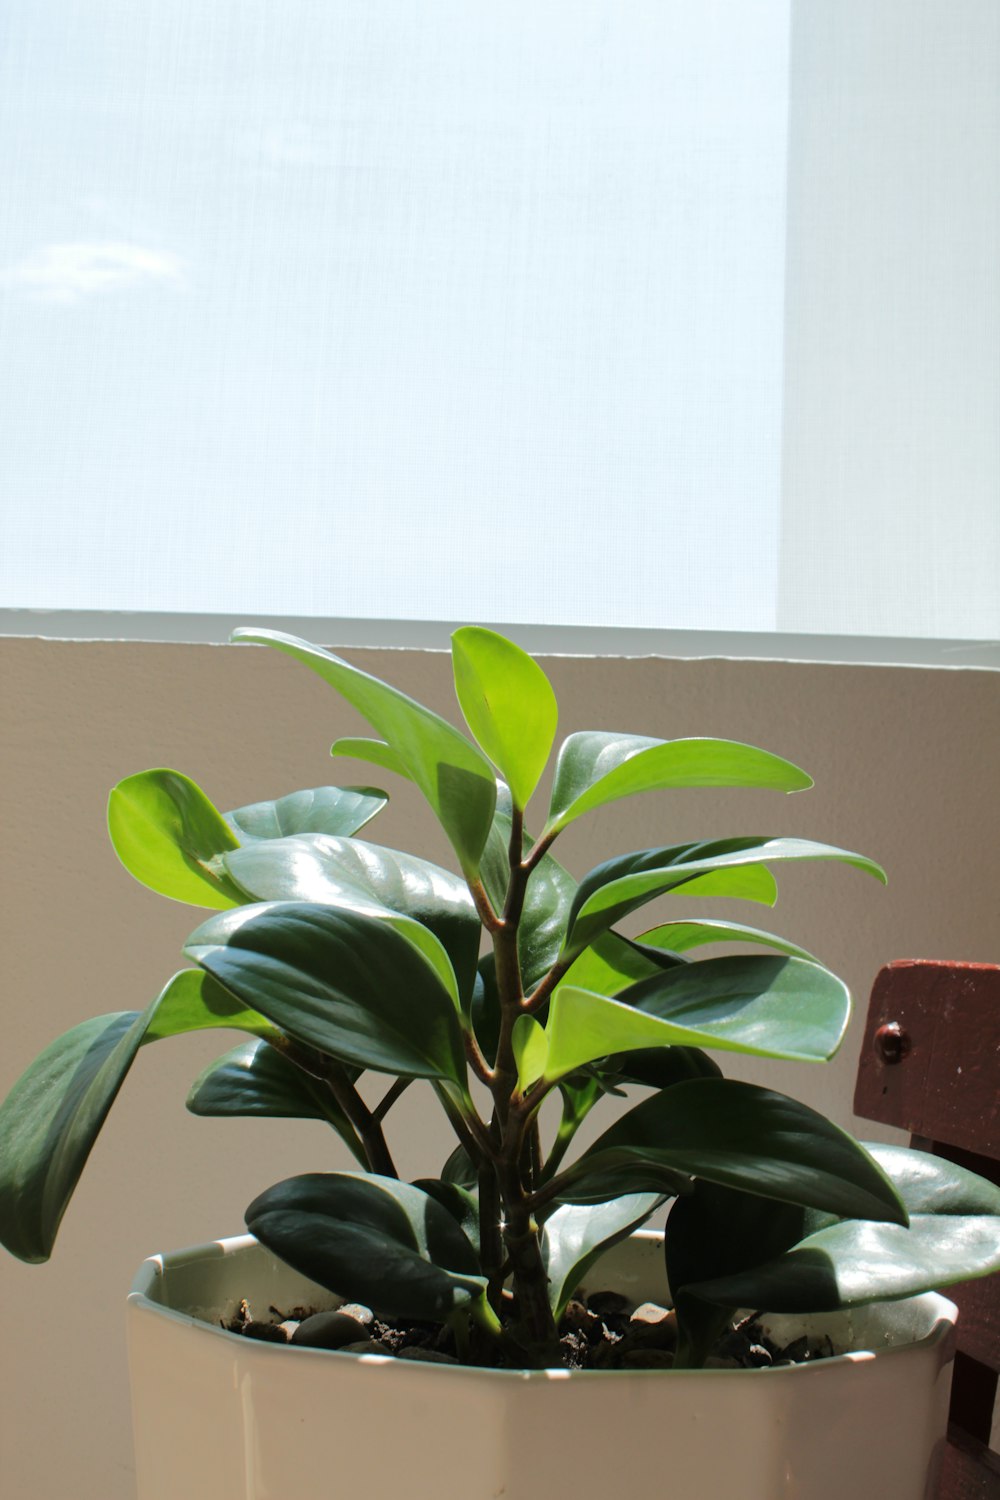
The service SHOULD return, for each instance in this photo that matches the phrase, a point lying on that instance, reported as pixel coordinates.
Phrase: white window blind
(615, 314)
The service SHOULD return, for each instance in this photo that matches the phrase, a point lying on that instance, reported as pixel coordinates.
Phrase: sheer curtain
(621, 314)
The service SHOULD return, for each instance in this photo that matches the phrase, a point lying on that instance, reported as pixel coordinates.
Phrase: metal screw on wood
(892, 1043)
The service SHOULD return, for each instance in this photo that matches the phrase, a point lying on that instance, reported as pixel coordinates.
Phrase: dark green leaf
(462, 1204)
(339, 810)
(765, 1007)
(49, 1122)
(52, 1116)
(731, 866)
(576, 1236)
(169, 835)
(954, 1235)
(716, 1231)
(931, 1185)
(373, 1240)
(256, 1079)
(349, 873)
(595, 767)
(660, 1067)
(854, 1262)
(746, 1137)
(456, 779)
(345, 982)
(460, 1169)
(508, 704)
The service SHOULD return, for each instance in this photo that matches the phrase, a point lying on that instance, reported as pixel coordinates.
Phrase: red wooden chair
(930, 1064)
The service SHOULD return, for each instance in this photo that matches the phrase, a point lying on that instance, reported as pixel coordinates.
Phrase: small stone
(648, 1359)
(363, 1346)
(328, 1330)
(606, 1355)
(358, 1312)
(719, 1362)
(607, 1304)
(650, 1312)
(758, 1358)
(425, 1355)
(268, 1333)
(289, 1325)
(652, 1327)
(579, 1319)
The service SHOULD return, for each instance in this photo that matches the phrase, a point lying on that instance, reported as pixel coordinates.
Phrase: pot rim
(153, 1267)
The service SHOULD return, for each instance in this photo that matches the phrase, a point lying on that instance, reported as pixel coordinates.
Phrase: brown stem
(361, 1117)
(389, 1098)
(475, 1058)
(540, 849)
(544, 988)
(484, 906)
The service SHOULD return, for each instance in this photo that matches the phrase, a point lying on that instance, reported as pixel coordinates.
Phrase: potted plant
(340, 958)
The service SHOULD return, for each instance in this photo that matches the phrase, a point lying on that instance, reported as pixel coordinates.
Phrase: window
(653, 316)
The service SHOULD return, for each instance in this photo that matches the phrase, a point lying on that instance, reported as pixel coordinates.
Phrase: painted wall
(905, 764)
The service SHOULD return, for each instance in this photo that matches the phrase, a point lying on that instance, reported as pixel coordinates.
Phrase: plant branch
(389, 1098)
(539, 850)
(545, 986)
(337, 1079)
(475, 1058)
(484, 906)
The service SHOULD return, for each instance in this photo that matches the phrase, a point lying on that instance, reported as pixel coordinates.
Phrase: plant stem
(389, 1098)
(338, 1081)
(507, 1178)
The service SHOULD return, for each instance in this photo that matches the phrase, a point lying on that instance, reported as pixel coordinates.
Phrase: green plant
(337, 957)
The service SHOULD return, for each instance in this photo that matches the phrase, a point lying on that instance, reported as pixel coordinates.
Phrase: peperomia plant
(503, 987)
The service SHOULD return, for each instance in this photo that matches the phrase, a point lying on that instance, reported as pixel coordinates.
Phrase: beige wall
(906, 768)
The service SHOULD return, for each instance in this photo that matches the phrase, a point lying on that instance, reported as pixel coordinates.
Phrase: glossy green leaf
(854, 1262)
(256, 1079)
(659, 1067)
(169, 835)
(953, 1235)
(530, 1050)
(929, 1184)
(375, 752)
(53, 1115)
(613, 889)
(343, 981)
(682, 936)
(577, 1235)
(595, 767)
(612, 963)
(456, 779)
(372, 1240)
(462, 1204)
(508, 704)
(194, 1001)
(338, 810)
(460, 1169)
(766, 1007)
(715, 1232)
(49, 1122)
(350, 873)
(745, 1137)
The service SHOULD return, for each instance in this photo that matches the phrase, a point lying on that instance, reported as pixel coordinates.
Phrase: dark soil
(602, 1331)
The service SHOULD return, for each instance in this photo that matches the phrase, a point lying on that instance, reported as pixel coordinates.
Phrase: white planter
(220, 1417)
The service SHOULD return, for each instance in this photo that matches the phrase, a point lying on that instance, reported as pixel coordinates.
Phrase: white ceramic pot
(220, 1417)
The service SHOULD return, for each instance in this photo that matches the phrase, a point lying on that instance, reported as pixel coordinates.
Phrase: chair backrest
(930, 1064)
